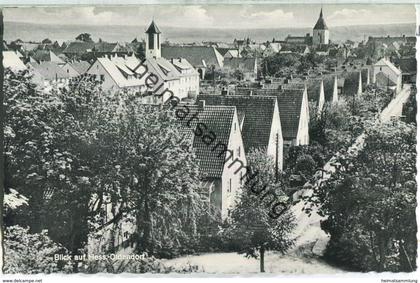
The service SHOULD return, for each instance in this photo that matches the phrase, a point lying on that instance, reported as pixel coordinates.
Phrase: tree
(86, 37)
(274, 64)
(140, 52)
(46, 41)
(252, 224)
(45, 159)
(32, 253)
(146, 171)
(369, 202)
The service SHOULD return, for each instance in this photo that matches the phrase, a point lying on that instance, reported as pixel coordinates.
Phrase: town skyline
(217, 16)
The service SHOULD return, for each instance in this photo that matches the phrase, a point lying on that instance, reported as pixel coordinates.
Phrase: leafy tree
(369, 202)
(140, 52)
(32, 253)
(274, 64)
(148, 177)
(45, 159)
(86, 37)
(252, 222)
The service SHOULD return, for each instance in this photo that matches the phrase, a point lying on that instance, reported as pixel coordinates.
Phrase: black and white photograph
(209, 140)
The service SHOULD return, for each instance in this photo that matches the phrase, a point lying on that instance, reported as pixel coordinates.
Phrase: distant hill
(37, 32)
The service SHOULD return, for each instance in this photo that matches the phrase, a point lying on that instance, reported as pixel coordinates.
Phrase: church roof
(153, 28)
(320, 24)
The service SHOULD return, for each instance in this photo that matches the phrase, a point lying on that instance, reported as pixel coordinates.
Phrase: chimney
(180, 59)
(201, 104)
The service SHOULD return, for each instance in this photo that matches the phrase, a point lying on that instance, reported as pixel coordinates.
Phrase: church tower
(153, 41)
(321, 34)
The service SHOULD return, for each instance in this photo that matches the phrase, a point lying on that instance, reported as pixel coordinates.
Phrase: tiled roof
(198, 56)
(217, 119)
(123, 76)
(385, 62)
(104, 47)
(290, 105)
(255, 111)
(78, 47)
(81, 66)
(46, 56)
(245, 64)
(49, 70)
(162, 68)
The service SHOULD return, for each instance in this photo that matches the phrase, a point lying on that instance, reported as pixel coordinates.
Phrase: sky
(216, 16)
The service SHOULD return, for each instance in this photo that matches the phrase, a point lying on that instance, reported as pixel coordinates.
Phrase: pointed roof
(320, 24)
(256, 112)
(153, 28)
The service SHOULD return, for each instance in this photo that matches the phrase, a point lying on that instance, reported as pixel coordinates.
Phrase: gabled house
(11, 60)
(48, 74)
(232, 53)
(117, 75)
(389, 75)
(203, 58)
(259, 121)
(294, 116)
(247, 66)
(219, 150)
(76, 49)
(77, 68)
(171, 75)
(47, 56)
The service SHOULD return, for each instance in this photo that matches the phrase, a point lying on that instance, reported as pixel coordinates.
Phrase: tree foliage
(89, 162)
(370, 202)
(251, 223)
(32, 253)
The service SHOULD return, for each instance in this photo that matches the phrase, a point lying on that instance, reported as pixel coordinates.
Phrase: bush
(32, 253)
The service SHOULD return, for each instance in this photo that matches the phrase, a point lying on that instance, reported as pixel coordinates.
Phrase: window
(239, 151)
(102, 78)
(241, 176)
(230, 186)
(151, 40)
(234, 127)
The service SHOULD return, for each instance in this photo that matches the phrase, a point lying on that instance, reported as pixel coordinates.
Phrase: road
(308, 232)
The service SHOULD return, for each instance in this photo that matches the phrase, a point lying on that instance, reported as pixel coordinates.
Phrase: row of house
(241, 123)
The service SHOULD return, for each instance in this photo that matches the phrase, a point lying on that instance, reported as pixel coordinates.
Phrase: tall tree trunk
(381, 246)
(262, 252)
(146, 241)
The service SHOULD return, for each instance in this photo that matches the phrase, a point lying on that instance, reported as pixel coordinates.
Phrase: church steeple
(321, 34)
(153, 41)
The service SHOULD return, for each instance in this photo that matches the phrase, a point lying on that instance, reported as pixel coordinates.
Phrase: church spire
(320, 14)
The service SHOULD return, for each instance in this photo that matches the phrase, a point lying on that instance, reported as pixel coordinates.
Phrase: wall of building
(320, 37)
(100, 73)
(302, 137)
(231, 182)
(276, 130)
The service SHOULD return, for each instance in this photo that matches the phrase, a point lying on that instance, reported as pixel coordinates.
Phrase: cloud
(196, 16)
(350, 16)
(265, 19)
